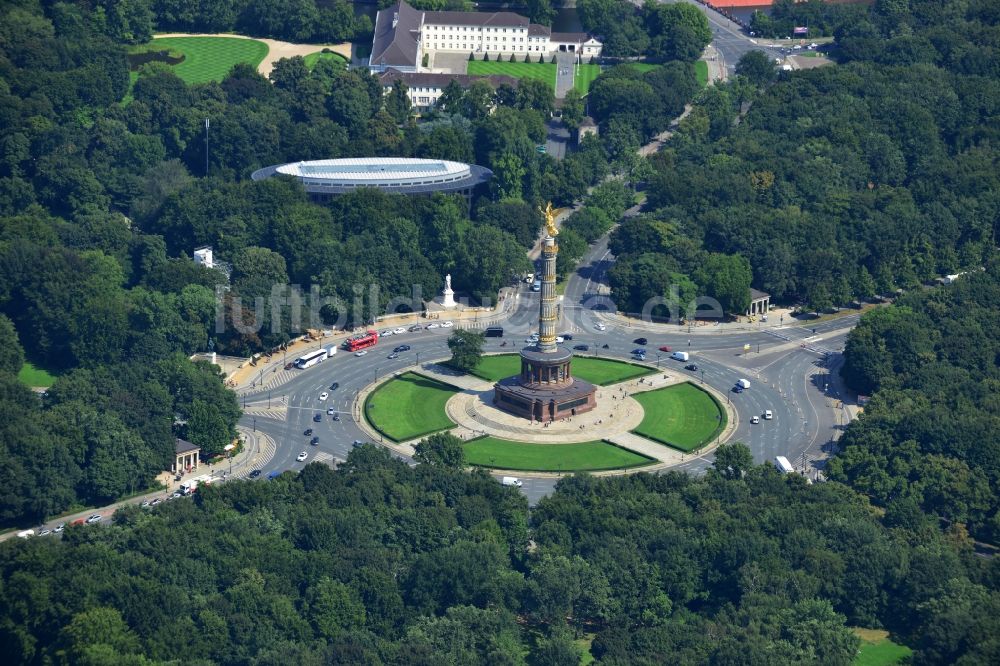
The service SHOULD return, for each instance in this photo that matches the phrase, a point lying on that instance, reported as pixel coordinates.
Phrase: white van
(26, 534)
(511, 481)
(743, 384)
(680, 356)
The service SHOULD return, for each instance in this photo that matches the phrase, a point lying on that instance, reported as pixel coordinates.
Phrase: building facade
(425, 88)
(403, 35)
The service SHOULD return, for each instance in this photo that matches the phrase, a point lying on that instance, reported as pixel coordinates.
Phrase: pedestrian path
(260, 449)
(326, 459)
(274, 413)
(445, 374)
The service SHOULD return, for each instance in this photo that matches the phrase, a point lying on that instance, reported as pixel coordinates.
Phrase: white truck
(782, 465)
(743, 384)
(511, 481)
(680, 356)
(189, 487)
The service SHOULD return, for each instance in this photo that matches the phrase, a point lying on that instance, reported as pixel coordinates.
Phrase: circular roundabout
(643, 419)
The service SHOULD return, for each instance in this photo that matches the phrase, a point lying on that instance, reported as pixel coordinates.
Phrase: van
(536, 285)
(25, 534)
(511, 481)
(743, 384)
(680, 356)
(330, 350)
(782, 465)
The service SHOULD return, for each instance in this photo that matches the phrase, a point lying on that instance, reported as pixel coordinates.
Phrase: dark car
(567, 336)
(638, 352)
(691, 366)
(289, 366)
(581, 347)
(400, 348)
(254, 474)
(640, 341)
(334, 386)
(317, 418)
(308, 432)
(737, 389)
(336, 417)
(314, 441)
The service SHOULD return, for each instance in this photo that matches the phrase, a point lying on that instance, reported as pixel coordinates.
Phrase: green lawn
(600, 371)
(209, 58)
(701, 71)
(583, 76)
(313, 58)
(877, 650)
(524, 456)
(520, 70)
(409, 406)
(682, 416)
(34, 376)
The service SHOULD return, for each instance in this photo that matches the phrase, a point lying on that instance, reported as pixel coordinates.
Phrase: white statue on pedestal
(448, 296)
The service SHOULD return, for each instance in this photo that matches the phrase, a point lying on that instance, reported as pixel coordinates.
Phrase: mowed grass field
(701, 71)
(409, 406)
(598, 371)
(35, 377)
(682, 416)
(877, 650)
(526, 456)
(314, 58)
(544, 71)
(583, 76)
(209, 58)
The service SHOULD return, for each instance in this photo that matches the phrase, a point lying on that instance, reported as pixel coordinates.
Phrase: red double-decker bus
(363, 341)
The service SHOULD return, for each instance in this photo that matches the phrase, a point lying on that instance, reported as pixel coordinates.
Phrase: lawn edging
(649, 461)
(645, 369)
(367, 399)
(716, 433)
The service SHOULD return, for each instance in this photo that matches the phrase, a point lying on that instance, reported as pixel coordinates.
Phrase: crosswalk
(275, 413)
(326, 459)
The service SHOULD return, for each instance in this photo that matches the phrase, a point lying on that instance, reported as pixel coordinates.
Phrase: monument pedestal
(546, 389)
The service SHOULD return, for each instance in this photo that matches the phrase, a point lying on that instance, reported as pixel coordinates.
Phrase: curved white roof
(377, 171)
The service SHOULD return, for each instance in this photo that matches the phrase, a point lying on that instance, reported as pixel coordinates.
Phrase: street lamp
(255, 424)
(703, 376)
(269, 400)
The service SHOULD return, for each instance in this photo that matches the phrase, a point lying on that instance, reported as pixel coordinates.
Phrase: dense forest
(843, 182)
(658, 31)
(928, 440)
(381, 563)
(823, 19)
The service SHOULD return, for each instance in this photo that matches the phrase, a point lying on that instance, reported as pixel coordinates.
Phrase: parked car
(59, 528)
(398, 330)
(431, 326)
(447, 324)
(363, 352)
(96, 518)
(302, 456)
(330, 411)
(254, 474)
(386, 333)
(144, 504)
(175, 495)
(44, 532)
(323, 396)
(600, 327)
(640, 341)
(415, 328)
(155, 502)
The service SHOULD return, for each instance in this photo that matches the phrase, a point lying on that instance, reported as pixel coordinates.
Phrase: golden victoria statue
(550, 220)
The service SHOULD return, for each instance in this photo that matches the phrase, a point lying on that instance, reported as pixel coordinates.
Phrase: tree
(573, 109)
(11, 352)
(757, 67)
(442, 449)
(397, 103)
(333, 608)
(733, 461)
(466, 349)
(489, 259)
(727, 280)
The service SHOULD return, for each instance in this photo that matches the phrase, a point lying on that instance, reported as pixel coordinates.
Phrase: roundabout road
(789, 375)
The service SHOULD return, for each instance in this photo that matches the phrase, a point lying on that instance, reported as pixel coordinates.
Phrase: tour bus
(363, 341)
(782, 465)
(310, 359)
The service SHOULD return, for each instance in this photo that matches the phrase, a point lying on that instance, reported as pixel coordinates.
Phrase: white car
(302, 456)
(768, 415)
(363, 352)
(323, 396)
(331, 411)
(59, 528)
(447, 324)
(398, 331)
(44, 532)
(433, 325)
(754, 419)
(96, 518)
(600, 327)
(560, 339)
(532, 340)
(386, 333)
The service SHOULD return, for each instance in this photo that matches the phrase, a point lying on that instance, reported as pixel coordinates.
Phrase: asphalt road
(729, 39)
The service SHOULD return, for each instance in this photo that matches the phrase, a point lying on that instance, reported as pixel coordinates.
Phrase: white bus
(310, 359)
(782, 465)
